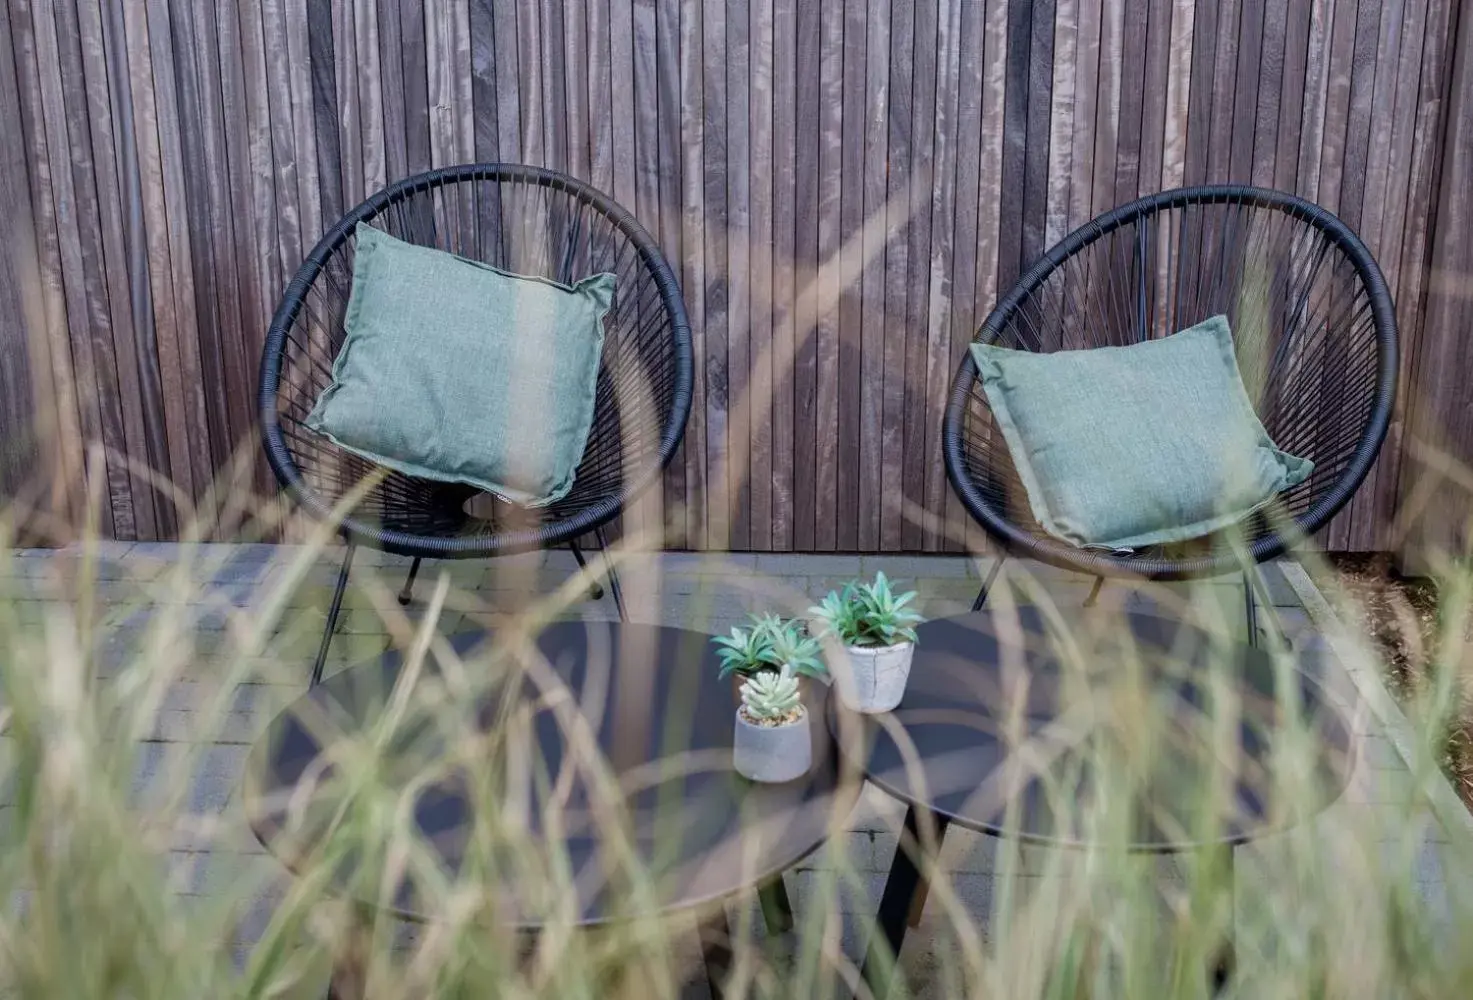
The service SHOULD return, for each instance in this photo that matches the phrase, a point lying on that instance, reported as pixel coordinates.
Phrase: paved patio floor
(710, 593)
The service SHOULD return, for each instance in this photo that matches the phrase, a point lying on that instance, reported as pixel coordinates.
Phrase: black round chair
(1315, 334)
(522, 219)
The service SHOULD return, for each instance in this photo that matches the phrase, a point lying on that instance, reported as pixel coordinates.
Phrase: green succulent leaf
(771, 695)
(868, 614)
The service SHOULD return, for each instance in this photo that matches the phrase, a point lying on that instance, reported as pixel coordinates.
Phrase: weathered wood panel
(843, 187)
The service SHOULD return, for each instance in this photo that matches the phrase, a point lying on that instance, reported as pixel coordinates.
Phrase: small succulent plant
(768, 644)
(771, 698)
(867, 614)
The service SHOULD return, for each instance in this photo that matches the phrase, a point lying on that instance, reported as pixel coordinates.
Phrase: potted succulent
(767, 645)
(877, 631)
(772, 742)
(771, 657)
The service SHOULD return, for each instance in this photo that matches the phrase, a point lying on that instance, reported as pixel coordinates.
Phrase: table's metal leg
(346, 979)
(715, 933)
(777, 912)
(1227, 955)
(904, 887)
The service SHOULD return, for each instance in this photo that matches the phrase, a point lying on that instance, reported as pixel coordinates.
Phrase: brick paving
(137, 583)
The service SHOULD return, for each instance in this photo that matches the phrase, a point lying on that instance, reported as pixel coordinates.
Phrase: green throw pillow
(456, 371)
(1125, 447)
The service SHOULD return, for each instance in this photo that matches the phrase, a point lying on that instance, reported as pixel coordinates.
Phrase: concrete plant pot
(772, 754)
(872, 678)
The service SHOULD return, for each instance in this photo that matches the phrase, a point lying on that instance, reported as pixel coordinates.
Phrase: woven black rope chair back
(1313, 327)
(524, 220)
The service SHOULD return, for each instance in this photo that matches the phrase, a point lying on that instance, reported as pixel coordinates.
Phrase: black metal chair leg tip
(595, 592)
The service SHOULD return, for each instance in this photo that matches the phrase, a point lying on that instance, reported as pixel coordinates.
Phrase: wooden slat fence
(168, 163)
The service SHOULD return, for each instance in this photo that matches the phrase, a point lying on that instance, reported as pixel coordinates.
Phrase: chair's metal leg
(332, 615)
(613, 574)
(777, 911)
(987, 583)
(1260, 609)
(715, 934)
(407, 594)
(594, 590)
(1094, 592)
(1250, 608)
(902, 887)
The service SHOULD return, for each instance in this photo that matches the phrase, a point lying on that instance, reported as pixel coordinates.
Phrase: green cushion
(1125, 447)
(456, 371)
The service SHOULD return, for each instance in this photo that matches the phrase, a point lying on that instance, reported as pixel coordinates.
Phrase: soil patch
(1400, 614)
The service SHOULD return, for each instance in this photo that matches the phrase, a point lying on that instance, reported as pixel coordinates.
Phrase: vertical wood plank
(1292, 94)
(70, 151)
(509, 130)
(926, 280)
(693, 237)
(925, 481)
(391, 65)
(487, 132)
(1107, 105)
(785, 267)
(667, 192)
(1061, 120)
(1178, 94)
(554, 92)
(345, 46)
(51, 310)
(1272, 80)
(1248, 85)
(1154, 109)
(1014, 141)
(847, 467)
(600, 123)
(1444, 404)
(529, 71)
(1036, 151)
(872, 332)
(1339, 59)
(833, 153)
(896, 275)
(806, 99)
(417, 82)
(206, 220)
(192, 388)
(575, 87)
(1086, 107)
(738, 256)
(1133, 98)
(103, 97)
(1221, 88)
(717, 287)
(968, 535)
(369, 76)
(967, 301)
(177, 467)
(1376, 229)
(25, 392)
(1198, 137)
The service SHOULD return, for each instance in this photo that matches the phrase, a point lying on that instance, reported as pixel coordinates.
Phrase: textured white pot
(772, 754)
(872, 678)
